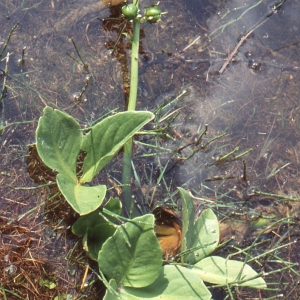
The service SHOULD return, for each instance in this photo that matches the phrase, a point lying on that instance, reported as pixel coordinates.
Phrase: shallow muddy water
(255, 100)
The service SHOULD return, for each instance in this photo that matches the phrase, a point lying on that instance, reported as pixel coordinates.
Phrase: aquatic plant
(59, 145)
(130, 257)
(127, 249)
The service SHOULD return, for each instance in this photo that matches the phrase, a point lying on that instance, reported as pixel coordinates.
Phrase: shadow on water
(255, 101)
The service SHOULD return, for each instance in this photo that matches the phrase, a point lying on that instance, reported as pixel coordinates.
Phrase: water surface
(255, 100)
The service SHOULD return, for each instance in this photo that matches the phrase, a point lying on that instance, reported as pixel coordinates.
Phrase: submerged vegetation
(213, 237)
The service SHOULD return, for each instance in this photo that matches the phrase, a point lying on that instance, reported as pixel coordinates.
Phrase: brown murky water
(255, 100)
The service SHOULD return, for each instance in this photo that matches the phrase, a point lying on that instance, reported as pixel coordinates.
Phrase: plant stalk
(129, 206)
(134, 72)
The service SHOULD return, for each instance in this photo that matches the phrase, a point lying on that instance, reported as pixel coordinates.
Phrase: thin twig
(245, 171)
(3, 90)
(79, 97)
(8, 38)
(276, 196)
(243, 39)
(192, 43)
(86, 67)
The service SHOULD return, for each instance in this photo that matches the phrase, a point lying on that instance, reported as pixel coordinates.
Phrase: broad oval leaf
(187, 221)
(218, 270)
(174, 282)
(114, 205)
(83, 199)
(94, 218)
(132, 256)
(90, 220)
(96, 237)
(199, 238)
(106, 138)
(205, 236)
(58, 139)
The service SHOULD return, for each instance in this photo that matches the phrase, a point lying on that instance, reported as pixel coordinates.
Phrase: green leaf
(47, 283)
(94, 218)
(83, 199)
(174, 282)
(132, 256)
(106, 138)
(96, 237)
(58, 139)
(114, 205)
(205, 236)
(113, 295)
(90, 220)
(199, 238)
(219, 270)
(63, 297)
(187, 220)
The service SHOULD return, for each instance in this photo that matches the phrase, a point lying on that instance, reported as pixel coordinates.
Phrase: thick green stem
(134, 70)
(127, 178)
(129, 205)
